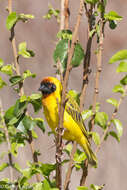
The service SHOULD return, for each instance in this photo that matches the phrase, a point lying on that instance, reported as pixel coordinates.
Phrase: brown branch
(66, 13)
(84, 173)
(62, 17)
(8, 142)
(70, 167)
(112, 117)
(34, 155)
(21, 90)
(86, 72)
(65, 83)
(87, 58)
(99, 63)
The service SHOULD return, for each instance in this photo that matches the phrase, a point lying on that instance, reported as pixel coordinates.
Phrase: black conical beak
(44, 89)
(40, 88)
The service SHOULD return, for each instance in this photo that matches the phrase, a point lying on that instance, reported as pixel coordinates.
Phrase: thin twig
(86, 63)
(99, 63)
(86, 72)
(60, 127)
(70, 167)
(21, 90)
(8, 142)
(62, 17)
(66, 13)
(112, 117)
(84, 173)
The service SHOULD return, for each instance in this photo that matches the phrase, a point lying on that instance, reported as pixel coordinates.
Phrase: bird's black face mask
(47, 88)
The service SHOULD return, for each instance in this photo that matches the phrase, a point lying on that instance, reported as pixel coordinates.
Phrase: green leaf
(82, 188)
(27, 172)
(11, 20)
(114, 134)
(1, 62)
(91, 1)
(27, 74)
(75, 95)
(51, 12)
(15, 113)
(13, 121)
(15, 80)
(17, 167)
(119, 56)
(9, 114)
(35, 96)
(34, 134)
(77, 56)
(96, 187)
(2, 83)
(26, 16)
(37, 104)
(61, 54)
(7, 69)
(46, 185)
(2, 137)
(40, 123)
(118, 88)
(79, 156)
(46, 169)
(65, 34)
(122, 67)
(23, 98)
(26, 124)
(123, 81)
(101, 119)
(14, 148)
(68, 149)
(95, 137)
(38, 186)
(118, 126)
(112, 101)
(24, 51)
(112, 24)
(19, 108)
(3, 166)
(112, 15)
(86, 114)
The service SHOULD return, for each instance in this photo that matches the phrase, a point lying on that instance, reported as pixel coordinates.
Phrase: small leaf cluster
(52, 12)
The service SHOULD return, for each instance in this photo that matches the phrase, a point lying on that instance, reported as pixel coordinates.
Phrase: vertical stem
(8, 142)
(67, 13)
(86, 63)
(21, 89)
(99, 68)
(62, 17)
(65, 83)
(70, 167)
(34, 155)
(86, 73)
(84, 173)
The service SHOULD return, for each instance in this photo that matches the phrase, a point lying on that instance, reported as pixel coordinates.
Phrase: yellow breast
(50, 106)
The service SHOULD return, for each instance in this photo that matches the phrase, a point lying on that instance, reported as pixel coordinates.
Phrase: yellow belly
(71, 129)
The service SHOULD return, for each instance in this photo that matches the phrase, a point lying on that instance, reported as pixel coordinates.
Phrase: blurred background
(40, 35)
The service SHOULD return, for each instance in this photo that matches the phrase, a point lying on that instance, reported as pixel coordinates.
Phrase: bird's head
(50, 85)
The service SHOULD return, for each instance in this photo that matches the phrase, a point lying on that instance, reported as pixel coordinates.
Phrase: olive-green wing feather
(73, 109)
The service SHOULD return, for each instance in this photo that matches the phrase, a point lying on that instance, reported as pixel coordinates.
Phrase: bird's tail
(92, 159)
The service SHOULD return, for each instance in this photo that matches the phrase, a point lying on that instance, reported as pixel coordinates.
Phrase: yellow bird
(73, 124)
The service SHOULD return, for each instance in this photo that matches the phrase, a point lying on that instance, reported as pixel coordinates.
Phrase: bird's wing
(73, 109)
